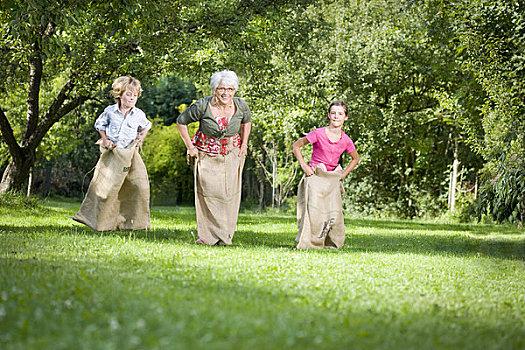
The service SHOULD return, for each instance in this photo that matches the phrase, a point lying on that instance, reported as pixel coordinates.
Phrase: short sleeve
(350, 145)
(193, 113)
(312, 136)
(246, 113)
(144, 124)
(102, 121)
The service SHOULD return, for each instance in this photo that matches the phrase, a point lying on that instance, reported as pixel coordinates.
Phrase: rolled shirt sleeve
(122, 131)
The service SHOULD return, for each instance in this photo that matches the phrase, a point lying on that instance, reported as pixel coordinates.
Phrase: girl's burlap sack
(118, 195)
(320, 218)
(218, 180)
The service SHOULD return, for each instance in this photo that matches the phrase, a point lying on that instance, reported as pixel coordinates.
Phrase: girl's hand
(308, 171)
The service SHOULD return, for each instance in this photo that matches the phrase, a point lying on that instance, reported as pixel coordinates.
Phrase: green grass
(395, 285)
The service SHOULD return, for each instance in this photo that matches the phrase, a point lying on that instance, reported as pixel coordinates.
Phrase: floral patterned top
(208, 144)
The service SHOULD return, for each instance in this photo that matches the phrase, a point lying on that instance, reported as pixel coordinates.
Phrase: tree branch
(51, 119)
(33, 96)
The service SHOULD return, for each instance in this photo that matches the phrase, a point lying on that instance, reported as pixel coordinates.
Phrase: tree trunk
(274, 180)
(17, 172)
(261, 190)
(30, 182)
(453, 181)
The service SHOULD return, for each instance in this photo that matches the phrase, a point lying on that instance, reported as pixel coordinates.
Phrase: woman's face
(224, 93)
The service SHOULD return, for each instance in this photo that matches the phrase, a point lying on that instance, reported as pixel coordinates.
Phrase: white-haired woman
(219, 147)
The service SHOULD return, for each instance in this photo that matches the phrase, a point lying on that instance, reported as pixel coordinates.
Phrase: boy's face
(129, 98)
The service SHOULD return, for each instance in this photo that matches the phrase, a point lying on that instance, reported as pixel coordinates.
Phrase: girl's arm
(185, 135)
(352, 165)
(308, 171)
(245, 133)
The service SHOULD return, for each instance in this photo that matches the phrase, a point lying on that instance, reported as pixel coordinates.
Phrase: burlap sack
(320, 219)
(118, 195)
(218, 181)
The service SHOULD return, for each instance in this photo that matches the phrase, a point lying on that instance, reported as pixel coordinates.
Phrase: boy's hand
(107, 143)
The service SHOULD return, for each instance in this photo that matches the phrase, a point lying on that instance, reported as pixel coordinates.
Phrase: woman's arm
(303, 141)
(245, 134)
(352, 165)
(185, 135)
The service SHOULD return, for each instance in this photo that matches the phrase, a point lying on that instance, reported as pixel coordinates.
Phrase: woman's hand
(308, 171)
(244, 150)
(192, 152)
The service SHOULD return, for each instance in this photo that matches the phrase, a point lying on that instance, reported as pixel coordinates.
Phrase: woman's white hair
(227, 77)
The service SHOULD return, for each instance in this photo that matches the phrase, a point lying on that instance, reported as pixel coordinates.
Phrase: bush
(15, 200)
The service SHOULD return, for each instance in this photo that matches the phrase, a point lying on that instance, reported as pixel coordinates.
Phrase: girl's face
(224, 93)
(337, 116)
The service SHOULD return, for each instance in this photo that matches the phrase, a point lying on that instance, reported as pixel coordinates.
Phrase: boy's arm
(141, 136)
(352, 165)
(308, 171)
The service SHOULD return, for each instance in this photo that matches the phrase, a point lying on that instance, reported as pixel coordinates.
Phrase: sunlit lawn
(394, 285)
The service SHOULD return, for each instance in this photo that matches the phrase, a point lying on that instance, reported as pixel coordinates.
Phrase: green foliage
(503, 198)
(164, 154)
(395, 284)
(164, 99)
(419, 77)
(489, 46)
(18, 201)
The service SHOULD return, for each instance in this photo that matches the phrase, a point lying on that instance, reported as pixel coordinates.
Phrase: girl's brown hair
(338, 103)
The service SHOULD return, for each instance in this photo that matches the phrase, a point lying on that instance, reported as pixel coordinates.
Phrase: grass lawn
(395, 285)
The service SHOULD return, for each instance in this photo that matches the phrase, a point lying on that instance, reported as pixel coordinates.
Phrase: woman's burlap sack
(218, 180)
(320, 220)
(118, 195)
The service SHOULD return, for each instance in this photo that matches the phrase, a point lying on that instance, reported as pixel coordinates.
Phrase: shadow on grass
(403, 237)
(456, 245)
(407, 225)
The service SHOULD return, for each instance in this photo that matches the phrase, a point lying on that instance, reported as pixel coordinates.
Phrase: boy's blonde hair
(121, 84)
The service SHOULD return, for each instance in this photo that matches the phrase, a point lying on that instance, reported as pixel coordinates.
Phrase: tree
(489, 47)
(62, 54)
(164, 99)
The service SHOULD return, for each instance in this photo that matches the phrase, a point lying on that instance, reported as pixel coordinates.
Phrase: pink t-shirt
(326, 151)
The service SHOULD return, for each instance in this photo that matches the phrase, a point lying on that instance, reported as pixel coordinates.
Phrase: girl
(319, 205)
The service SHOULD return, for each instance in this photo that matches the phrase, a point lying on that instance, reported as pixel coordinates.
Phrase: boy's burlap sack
(118, 195)
(320, 219)
(218, 181)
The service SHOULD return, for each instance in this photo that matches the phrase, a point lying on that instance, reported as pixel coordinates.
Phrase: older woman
(219, 151)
